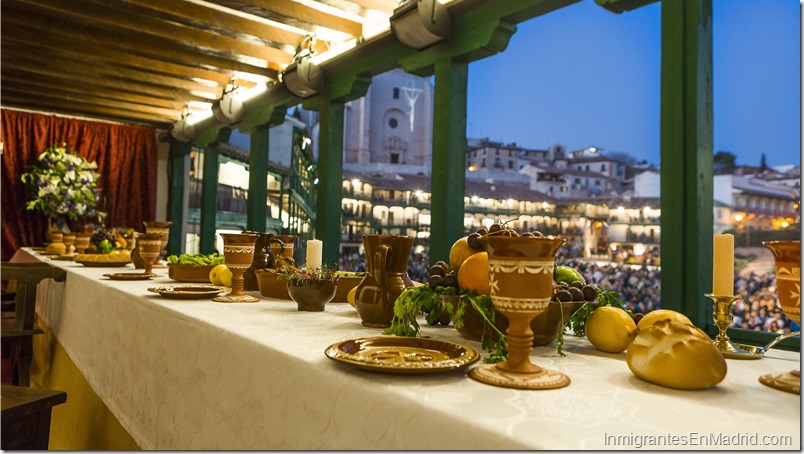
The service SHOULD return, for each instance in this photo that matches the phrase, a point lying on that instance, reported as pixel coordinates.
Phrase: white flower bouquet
(63, 185)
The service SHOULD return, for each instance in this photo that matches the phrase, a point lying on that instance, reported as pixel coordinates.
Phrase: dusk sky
(583, 76)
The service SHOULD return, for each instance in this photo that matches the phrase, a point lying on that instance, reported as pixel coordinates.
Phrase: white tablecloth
(205, 375)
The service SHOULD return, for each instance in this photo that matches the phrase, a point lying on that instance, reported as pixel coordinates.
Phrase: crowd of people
(640, 289)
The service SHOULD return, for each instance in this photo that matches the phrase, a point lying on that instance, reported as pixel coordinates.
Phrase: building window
(393, 123)
(396, 92)
(483, 163)
(394, 158)
(587, 167)
(510, 164)
(602, 167)
(577, 181)
(597, 182)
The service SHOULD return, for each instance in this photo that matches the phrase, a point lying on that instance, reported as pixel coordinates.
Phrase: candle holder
(238, 252)
(722, 316)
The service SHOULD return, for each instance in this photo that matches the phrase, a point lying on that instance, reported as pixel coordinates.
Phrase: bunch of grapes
(441, 275)
(577, 291)
(499, 228)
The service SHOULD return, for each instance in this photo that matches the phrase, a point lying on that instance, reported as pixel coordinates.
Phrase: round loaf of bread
(676, 355)
(56, 248)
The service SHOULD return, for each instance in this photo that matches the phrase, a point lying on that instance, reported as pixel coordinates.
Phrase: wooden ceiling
(146, 61)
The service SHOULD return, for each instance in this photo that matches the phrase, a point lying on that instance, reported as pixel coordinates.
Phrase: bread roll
(56, 248)
(676, 355)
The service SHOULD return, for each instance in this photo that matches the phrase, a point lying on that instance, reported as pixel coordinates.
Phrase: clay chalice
(82, 242)
(69, 241)
(521, 280)
(238, 252)
(787, 255)
(150, 244)
(163, 229)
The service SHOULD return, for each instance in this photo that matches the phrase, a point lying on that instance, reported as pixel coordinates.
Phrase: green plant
(304, 277)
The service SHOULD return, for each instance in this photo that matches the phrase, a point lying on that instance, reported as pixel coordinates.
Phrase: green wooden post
(258, 168)
(209, 192)
(686, 158)
(176, 195)
(448, 180)
(330, 174)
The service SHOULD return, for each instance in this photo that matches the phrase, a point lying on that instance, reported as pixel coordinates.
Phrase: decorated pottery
(270, 285)
(82, 242)
(521, 282)
(386, 277)
(267, 247)
(149, 245)
(345, 285)
(69, 242)
(189, 273)
(238, 252)
(163, 229)
(311, 296)
(787, 256)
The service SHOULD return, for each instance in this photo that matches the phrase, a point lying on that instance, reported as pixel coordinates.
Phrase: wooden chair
(20, 329)
(25, 417)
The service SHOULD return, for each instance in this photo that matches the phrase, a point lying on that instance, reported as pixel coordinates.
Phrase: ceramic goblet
(68, 240)
(787, 256)
(163, 229)
(521, 281)
(238, 252)
(150, 245)
(82, 242)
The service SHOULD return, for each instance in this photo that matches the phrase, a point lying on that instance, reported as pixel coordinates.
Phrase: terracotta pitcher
(787, 256)
(268, 246)
(386, 277)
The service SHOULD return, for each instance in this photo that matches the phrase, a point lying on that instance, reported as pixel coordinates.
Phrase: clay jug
(268, 246)
(386, 277)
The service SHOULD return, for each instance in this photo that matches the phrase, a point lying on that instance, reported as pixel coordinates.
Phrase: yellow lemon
(459, 252)
(226, 278)
(215, 274)
(350, 297)
(474, 273)
(661, 314)
(610, 329)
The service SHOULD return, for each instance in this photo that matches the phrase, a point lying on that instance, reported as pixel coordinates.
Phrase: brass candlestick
(722, 316)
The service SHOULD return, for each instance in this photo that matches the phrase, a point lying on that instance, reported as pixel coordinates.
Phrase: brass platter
(402, 355)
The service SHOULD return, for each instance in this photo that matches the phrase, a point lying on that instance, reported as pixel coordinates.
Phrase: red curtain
(126, 157)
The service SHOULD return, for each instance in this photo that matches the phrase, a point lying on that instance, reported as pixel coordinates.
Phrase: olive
(564, 296)
(589, 292)
(443, 265)
(577, 294)
(435, 281)
(436, 270)
(482, 231)
(577, 284)
(495, 227)
(474, 242)
(444, 318)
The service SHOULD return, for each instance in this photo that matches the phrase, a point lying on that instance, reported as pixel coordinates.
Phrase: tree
(724, 162)
(763, 163)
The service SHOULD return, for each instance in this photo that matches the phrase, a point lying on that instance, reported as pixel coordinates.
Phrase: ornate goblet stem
(150, 244)
(81, 242)
(722, 316)
(238, 252)
(521, 279)
(69, 240)
(787, 256)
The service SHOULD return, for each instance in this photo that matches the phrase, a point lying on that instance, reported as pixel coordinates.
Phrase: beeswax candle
(314, 254)
(723, 265)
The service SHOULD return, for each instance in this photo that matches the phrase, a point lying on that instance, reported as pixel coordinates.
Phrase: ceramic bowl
(345, 284)
(312, 296)
(270, 285)
(189, 273)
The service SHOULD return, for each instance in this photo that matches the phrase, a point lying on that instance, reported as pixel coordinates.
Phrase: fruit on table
(568, 274)
(216, 273)
(226, 278)
(677, 355)
(610, 329)
(459, 252)
(56, 248)
(350, 297)
(474, 273)
(661, 314)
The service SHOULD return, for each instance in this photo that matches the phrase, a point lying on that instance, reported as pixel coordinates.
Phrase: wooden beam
(686, 156)
(86, 110)
(383, 6)
(310, 12)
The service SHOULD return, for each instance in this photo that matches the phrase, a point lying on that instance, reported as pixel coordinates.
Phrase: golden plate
(129, 276)
(63, 257)
(402, 355)
(188, 292)
(102, 264)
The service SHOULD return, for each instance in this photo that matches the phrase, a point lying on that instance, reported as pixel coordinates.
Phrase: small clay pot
(311, 296)
(345, 284)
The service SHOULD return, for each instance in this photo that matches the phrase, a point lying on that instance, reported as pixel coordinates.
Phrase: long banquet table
(196, 374)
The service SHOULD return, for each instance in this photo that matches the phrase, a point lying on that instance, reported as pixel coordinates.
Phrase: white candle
(313, 254)
(723, 265)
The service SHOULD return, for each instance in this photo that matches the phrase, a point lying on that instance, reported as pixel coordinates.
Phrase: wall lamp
(228, 109)
(420, 23)
(182, 130)
(302, 77)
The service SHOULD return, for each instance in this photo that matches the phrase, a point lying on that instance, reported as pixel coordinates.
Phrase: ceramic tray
(129, 276)
(188, 292)
(63, 257)
(103, 264)
(402, 355)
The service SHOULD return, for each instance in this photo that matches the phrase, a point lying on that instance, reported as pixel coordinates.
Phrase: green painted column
(448, 180)
(257, 182)
(177, 195)
(686, 158)
(209, 192)
(330, 174)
